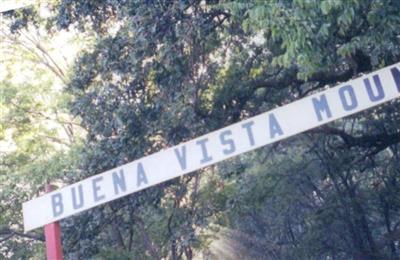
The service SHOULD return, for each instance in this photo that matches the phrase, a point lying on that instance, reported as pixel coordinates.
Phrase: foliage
(39, 140)
(313, 35)
(162, 72)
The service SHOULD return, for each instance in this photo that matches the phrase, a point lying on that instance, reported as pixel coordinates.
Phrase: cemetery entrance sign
(304, 114)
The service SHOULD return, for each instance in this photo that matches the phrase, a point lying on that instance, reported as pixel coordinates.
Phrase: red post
(52, 233)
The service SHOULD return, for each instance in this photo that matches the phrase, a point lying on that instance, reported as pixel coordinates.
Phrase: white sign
(309, 112)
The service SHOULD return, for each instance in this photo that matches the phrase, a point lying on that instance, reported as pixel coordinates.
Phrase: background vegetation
(151, 74)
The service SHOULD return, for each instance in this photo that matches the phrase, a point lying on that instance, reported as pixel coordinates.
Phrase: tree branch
(9, 233)
(379, 141)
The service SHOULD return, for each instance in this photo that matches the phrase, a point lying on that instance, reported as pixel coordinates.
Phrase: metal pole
(52, 233)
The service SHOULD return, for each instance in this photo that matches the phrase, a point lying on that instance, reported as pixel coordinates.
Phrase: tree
(137, 92)
(38, 137)
(345, 168)
(163, 72)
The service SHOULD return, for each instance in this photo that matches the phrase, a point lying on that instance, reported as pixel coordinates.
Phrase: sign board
(304, 114)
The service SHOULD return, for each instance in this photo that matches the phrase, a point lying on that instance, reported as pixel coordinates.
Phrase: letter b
(56, 202)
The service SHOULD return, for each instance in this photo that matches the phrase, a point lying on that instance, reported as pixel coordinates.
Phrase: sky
(7, 5)
(62, 47)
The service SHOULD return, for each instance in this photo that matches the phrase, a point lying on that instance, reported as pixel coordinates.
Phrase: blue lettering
(378, 86)
(206, 158)
(274, 127)
(181, 155)
(223, 136)
(396, 76)
(58, 207)
(119, 181)
(141, 175)
(248, 126)
(96, 189)
(320, 106)
(351, 104)
(75, 203)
